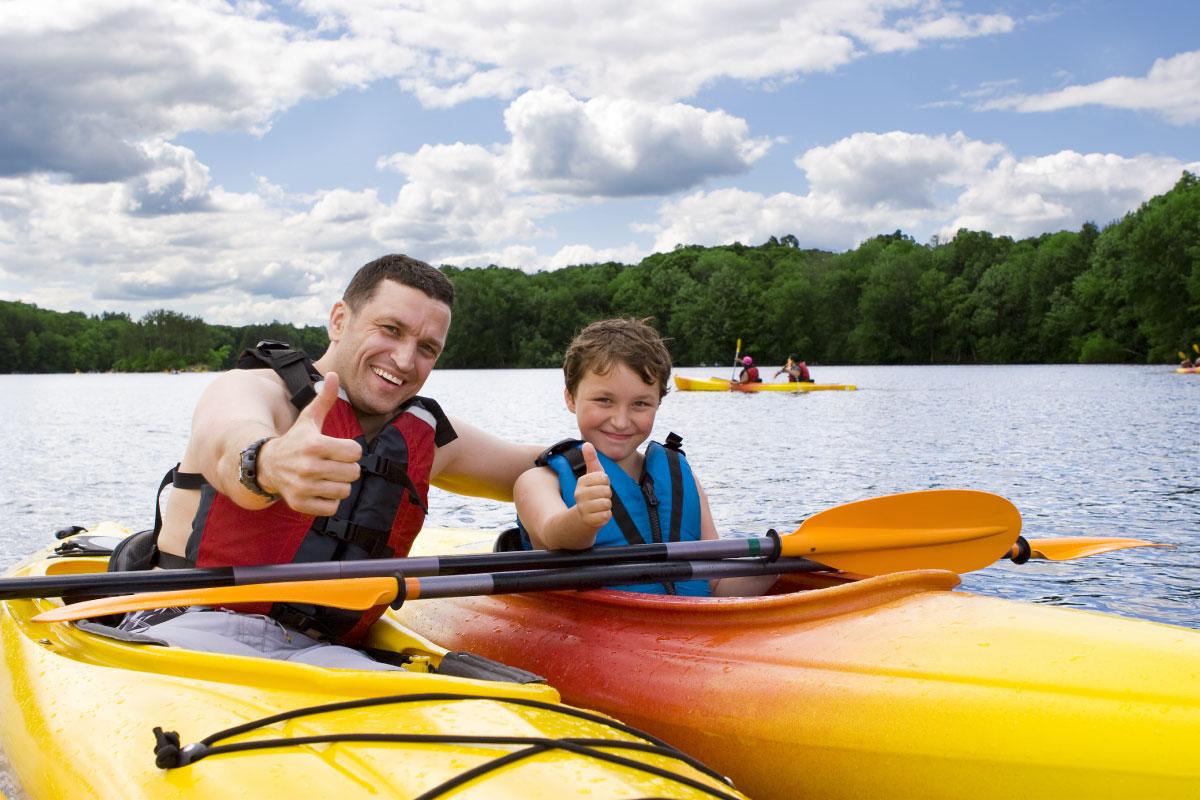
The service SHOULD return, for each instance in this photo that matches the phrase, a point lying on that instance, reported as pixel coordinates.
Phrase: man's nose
(403, 353)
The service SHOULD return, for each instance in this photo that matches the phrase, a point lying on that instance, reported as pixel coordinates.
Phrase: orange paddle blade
(1068, 547)
(353, 593)
(955, 529)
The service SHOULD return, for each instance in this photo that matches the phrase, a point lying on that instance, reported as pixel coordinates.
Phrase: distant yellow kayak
(684, 384)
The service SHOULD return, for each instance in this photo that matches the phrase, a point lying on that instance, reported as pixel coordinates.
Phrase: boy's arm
(480, 464)
(548, 521)
(749, 586)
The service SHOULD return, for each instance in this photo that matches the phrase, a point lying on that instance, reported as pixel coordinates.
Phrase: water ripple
(1081, 450)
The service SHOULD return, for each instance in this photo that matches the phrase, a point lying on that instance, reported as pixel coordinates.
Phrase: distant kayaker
(749, 373)
(600, 490)
(795, 369)
(284, 467)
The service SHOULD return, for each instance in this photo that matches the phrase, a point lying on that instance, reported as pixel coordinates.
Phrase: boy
(603, 492)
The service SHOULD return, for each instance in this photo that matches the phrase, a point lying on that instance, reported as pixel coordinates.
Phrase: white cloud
(81, 87)
(660, 52)
(895, 170)
(620, 147)
(586, 254)
(462, 201)
(868, 184)
(458, 198)
(79, 245)
(175, 182)
(1170, 89)
(1025, 197)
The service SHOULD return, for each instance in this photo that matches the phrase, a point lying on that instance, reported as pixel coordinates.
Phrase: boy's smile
(615, 412)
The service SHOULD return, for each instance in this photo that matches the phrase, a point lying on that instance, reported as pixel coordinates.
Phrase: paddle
(1066, 548)
(736, 353)
(363, 593)
(955, 529)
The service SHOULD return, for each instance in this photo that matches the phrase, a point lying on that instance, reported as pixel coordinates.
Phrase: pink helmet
(747, 360)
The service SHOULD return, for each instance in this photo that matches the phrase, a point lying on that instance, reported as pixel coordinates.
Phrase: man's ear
(338, 316)
(570, 400)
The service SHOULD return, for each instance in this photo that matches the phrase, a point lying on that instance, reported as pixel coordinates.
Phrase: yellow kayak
(80, 710)
(685, 384)
(888, 687)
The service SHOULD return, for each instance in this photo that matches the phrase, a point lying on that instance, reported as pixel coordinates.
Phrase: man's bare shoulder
(247, 390)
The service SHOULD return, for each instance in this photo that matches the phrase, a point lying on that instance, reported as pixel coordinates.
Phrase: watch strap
(248, 469)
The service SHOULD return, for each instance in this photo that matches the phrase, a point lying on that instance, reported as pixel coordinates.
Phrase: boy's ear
(570, 400)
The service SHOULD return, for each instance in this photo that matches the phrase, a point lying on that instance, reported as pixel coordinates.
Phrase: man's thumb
(590, 459)
(319, 408)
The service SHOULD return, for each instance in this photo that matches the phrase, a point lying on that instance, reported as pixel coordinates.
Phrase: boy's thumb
(316, 411)
(590, 459)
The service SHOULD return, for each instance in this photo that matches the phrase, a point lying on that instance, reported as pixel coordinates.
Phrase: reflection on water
(1105, 451)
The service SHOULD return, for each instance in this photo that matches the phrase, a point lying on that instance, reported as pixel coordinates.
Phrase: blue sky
(238, 161)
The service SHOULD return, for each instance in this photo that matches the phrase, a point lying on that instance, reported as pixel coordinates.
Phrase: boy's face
(615, 411)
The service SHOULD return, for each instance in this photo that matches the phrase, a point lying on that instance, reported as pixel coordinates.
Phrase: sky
(237, 161)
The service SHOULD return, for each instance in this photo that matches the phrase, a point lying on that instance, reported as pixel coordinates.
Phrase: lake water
(1080, 450)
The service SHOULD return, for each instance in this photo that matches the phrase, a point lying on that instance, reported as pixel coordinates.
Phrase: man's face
(387, 347)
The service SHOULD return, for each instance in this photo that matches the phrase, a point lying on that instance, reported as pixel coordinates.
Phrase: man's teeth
(387, 376)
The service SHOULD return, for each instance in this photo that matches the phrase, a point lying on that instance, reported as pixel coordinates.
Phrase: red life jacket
(750, 375)
(379, 519)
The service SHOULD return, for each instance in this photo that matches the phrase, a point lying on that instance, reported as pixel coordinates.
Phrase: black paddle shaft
(114, 583)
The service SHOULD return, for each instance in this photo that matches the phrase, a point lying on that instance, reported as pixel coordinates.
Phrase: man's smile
(387, 376)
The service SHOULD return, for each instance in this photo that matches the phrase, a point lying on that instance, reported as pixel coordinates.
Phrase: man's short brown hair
(628, 341)
(402, 269)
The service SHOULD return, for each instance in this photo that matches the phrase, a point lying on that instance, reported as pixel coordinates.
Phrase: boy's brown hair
(630, 342)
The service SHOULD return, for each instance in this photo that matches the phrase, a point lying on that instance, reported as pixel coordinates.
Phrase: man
(280, 468)
(797, 370)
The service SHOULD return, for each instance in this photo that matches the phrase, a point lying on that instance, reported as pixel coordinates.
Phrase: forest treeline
(1127, 293)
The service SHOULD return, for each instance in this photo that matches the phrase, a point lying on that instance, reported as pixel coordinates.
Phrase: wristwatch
(248, 469)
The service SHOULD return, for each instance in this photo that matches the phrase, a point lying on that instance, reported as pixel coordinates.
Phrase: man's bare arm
(480, 464)
(310, 471)
(238, 408)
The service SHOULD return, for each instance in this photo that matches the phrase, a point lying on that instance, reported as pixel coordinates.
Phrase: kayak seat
(508, 541)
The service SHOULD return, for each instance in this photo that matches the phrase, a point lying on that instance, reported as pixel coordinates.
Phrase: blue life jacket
(662, 506)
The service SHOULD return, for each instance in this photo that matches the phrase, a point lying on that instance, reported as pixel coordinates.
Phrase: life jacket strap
(395, 472)
(373, 540)
(293, 366)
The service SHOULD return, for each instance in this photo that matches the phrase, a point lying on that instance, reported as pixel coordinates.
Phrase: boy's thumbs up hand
(312, 472)
(593, 492)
